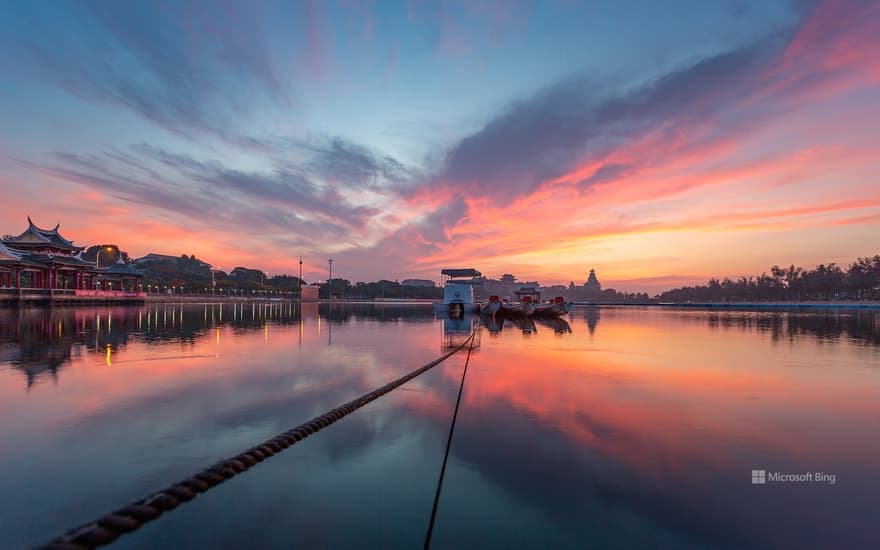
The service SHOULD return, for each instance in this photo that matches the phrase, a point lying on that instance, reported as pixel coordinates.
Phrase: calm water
(623, 427)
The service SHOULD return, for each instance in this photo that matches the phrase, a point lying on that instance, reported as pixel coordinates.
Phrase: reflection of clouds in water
(584, 491)
(620, 443)
(40, 341)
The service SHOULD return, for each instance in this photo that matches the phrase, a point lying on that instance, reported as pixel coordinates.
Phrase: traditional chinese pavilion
(42, 264)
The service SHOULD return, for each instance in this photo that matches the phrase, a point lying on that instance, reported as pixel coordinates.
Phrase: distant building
(418, 282)
(593, 285)
(42, 259)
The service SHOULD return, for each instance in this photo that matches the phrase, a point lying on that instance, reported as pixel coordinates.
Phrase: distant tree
(861, 280)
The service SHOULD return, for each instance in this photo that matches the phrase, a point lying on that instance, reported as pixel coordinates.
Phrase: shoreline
(744, 305)
(239, 299)
(201, 299)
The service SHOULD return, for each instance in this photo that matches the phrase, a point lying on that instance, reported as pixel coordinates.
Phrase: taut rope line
(446, 456)
(130, 518)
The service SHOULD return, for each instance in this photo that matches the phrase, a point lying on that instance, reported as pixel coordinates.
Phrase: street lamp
(330, 281)
(98, 255)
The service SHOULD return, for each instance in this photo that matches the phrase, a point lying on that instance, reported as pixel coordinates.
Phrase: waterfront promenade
(43, 296)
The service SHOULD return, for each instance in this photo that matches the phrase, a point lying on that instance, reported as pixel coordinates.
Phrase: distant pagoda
(593, 285)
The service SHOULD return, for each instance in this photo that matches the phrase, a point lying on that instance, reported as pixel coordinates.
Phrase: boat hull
(554, 309)
(517, 309)
(456, 307)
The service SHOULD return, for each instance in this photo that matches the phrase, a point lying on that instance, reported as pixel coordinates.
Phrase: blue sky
(253, 133)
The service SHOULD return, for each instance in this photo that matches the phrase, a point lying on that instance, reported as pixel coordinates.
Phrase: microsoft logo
(759, 477)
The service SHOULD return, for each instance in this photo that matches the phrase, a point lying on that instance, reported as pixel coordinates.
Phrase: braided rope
(130, 518)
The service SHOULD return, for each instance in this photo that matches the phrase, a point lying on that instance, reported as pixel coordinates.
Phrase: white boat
(458, 291)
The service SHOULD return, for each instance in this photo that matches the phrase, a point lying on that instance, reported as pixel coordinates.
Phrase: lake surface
(622, 427)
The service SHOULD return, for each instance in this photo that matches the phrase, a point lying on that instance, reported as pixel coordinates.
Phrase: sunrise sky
(659, 142)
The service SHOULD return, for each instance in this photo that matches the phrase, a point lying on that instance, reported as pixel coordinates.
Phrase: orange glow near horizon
(688, 200)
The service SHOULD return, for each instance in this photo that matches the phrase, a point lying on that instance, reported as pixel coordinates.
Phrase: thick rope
(446, 455)
(130, 518)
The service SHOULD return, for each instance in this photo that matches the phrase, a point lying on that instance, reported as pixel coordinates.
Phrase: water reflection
(591, 316)
(40, 341)
(457, 330)
(525, 325)
(857, 325)
(557, 325)
(637, 431)
(35, 342)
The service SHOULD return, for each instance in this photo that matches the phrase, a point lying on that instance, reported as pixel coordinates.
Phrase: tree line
(195, 276)
(858, 281)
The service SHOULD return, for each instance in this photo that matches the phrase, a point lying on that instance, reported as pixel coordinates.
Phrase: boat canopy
(470, 272)
(528, 291)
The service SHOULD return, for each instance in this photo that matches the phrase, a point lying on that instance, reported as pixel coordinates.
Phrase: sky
(661, 143)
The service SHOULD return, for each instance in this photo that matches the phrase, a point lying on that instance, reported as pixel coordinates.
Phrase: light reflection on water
(618, 427)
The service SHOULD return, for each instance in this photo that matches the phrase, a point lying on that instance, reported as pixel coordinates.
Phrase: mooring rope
(446, 455)
(130, 518)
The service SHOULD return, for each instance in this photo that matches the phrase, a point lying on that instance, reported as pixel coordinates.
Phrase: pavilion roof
(469, 272)
(34, 235)
(122, 268)
(8, 255)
